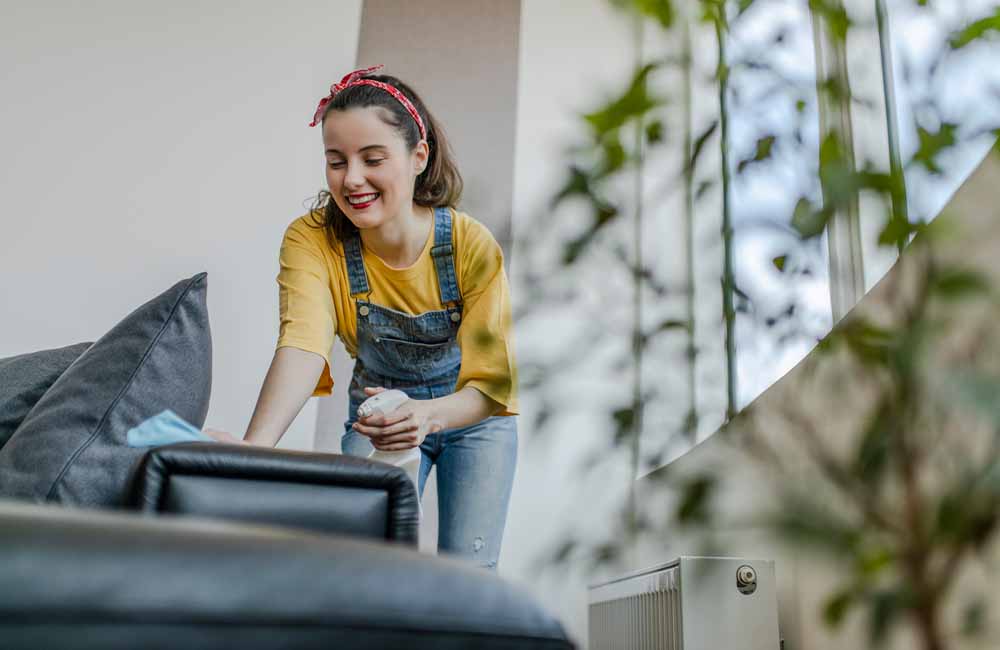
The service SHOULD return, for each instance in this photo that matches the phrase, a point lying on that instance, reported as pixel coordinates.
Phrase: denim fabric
(475, 474)
(420, 356)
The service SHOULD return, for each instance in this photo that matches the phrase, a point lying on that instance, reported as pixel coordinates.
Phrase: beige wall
(461, 57)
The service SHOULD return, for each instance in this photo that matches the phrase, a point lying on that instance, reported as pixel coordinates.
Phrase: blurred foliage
(896, 507)
(897, 518)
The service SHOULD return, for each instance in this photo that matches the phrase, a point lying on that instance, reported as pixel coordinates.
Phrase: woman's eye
(336, 165)
(374, 161)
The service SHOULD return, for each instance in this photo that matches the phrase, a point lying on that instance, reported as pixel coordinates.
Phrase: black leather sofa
(234, 546)
(204, 545)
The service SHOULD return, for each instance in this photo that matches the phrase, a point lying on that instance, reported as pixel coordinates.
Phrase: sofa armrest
(84, 579)
(324, 492)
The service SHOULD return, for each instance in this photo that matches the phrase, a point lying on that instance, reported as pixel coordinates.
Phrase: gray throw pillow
(71, 448)
(25, 378)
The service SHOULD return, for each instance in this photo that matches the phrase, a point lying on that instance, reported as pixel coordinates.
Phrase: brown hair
(440, 184)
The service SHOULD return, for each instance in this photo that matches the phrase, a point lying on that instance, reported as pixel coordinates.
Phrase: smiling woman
(417, 292)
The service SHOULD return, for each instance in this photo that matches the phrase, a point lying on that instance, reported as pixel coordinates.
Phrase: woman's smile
(362, 201)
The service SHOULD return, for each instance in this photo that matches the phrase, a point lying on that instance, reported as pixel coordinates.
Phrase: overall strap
(355, 265)
(444, 258)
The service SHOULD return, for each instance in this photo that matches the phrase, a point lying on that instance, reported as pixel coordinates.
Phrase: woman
(417, 292)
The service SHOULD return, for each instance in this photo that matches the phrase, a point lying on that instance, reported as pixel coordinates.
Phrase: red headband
(356, 78)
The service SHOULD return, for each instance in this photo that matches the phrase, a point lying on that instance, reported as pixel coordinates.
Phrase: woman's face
(369, 170)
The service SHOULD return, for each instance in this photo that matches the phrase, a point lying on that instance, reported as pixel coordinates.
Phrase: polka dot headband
(356, 78)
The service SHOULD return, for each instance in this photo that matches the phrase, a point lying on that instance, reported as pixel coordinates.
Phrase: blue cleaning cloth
(165, 429)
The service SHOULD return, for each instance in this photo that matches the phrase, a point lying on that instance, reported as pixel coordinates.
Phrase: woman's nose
(353, 176)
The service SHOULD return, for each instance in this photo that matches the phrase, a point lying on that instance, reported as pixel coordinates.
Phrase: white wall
(144, 142)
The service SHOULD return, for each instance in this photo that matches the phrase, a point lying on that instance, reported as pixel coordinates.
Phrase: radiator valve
(746, 579)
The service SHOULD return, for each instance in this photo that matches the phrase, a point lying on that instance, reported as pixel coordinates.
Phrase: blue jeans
(475, 475)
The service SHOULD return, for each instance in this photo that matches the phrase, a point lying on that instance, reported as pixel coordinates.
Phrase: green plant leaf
(974, 615)
(837, 605)
(695, 501)
(763, 152)
(897, 231)
(662, 11)
(834, 90)
(804, 520)
(633, 103)
(932, 143)
(809, 222)
(703, 187)
(667, 325)
(604, 213)
(689, 428)
(654, 132)
(867, 179)
(885, 607)
(606, 553)
(959, 283)
(578, 183)
(836, 173)
(872, 455)
(613, 156)
(699, 144)
(834, 16)
(624, 419)
(563, 551)
(975, 31)
(743, 6)
(712, 11)
(873, 561)
(868, 342)
(968, 513)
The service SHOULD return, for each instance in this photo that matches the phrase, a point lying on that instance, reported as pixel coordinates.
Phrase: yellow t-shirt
(315, 301)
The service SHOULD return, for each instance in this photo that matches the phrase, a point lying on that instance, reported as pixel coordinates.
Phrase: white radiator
(693, 603)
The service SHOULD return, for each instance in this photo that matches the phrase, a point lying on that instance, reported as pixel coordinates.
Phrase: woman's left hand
(404, 428)
(224, 436)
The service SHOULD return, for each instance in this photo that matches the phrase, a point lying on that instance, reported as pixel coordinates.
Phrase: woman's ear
(421, 157)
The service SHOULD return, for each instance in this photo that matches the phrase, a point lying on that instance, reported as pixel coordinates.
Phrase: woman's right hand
(289, 383)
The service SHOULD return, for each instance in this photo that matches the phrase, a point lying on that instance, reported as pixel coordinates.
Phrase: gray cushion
(71, 448)
(25, 378)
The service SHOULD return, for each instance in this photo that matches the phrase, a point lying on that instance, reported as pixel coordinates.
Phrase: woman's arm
(462, 408)
(289, 382)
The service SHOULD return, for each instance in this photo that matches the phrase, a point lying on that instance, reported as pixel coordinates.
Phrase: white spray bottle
(385, 403)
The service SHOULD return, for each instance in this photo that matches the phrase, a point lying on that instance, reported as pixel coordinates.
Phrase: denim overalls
(420, 356)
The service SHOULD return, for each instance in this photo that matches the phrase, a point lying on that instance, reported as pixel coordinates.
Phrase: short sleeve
(485, 336)
(305, 300)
